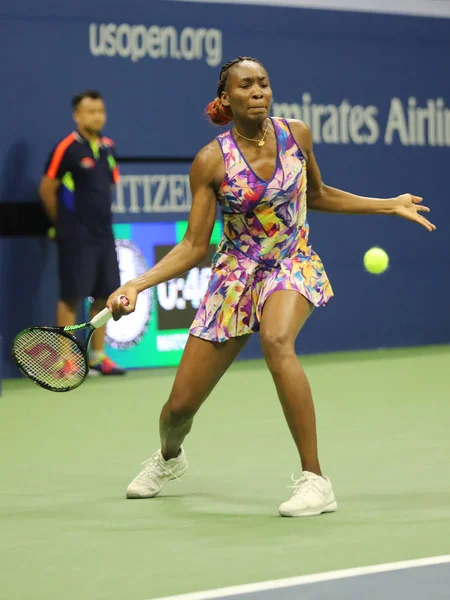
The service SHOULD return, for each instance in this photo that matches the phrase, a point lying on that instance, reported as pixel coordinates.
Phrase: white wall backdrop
(433, 8)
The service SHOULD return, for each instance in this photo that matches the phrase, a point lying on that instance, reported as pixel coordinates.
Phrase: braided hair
(216, 111)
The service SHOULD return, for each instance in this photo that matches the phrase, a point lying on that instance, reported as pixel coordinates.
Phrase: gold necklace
(261, 142)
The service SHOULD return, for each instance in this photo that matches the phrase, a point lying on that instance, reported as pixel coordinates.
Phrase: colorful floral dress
(264, 247)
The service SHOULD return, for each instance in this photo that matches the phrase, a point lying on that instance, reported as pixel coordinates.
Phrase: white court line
(275, 584)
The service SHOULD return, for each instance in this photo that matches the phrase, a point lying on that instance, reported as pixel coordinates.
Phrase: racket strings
(50, 358)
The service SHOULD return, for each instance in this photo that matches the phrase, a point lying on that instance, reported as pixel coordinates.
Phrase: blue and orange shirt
(87, 172)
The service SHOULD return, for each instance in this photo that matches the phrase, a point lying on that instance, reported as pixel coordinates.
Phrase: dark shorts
(87, 268)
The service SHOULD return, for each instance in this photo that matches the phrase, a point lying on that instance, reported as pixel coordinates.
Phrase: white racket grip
(101, 318)
(105, 315)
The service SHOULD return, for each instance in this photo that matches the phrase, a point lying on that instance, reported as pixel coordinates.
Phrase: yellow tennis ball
(51, 233)
(376, 260)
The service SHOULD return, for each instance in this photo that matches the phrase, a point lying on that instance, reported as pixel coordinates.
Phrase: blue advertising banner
(372, 87)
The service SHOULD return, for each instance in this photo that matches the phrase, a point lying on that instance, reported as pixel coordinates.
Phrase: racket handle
(105, 315)
(101, 318)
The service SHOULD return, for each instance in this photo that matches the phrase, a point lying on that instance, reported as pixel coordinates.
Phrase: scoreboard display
(156, 333)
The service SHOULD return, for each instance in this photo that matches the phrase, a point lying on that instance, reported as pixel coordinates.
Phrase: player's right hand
(122, 301)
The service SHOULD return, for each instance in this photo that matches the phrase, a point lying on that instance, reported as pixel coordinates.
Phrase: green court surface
(67, 532)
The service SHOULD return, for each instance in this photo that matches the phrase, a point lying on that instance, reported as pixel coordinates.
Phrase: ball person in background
(265, 275)
(76, 191)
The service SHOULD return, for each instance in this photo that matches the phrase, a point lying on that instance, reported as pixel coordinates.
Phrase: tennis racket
(52, 357)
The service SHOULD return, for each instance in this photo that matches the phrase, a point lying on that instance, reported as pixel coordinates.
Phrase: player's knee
(276, 345)
(273, 340)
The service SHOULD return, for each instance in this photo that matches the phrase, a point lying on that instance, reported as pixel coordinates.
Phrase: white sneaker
(313, 495)
(155, 473)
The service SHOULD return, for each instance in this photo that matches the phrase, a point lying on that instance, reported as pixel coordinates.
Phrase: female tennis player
(265, 275)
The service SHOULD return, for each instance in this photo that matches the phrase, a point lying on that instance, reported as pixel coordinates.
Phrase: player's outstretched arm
(324, 198)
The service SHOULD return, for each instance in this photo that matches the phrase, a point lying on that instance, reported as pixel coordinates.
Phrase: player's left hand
(409, 207)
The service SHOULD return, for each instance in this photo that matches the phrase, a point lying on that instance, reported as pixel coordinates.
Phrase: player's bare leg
(285, 312)
(201, 367)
